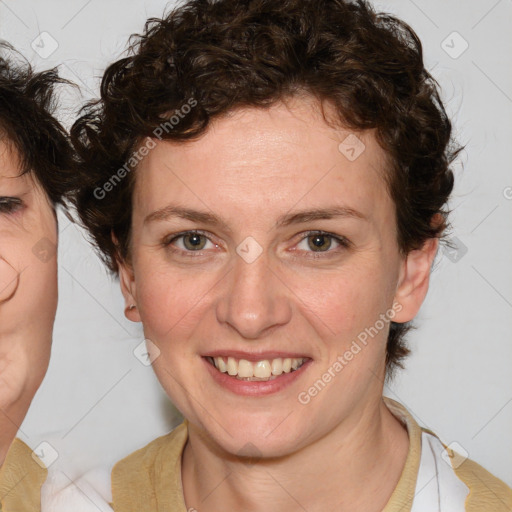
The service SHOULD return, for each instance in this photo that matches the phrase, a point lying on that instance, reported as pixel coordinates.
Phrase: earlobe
(414, 279)
(127, 282)
(128, 289)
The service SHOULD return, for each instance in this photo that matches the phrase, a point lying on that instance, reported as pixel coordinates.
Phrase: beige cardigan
(149, 480)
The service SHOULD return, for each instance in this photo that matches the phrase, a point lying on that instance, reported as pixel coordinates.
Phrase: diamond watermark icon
(44, 45)
(454, 454)
(45, 454)
(146, 352)
(250, 453)
(454, 45)
(351, 147)
(249, 250)
(44, 250)
(456, 250)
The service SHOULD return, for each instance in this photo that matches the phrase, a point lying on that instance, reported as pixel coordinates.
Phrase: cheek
(38, 250)
(31, 254)
(169, 302)
(343, 303)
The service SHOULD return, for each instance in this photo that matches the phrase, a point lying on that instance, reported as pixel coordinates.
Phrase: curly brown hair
(27, 121)
(228, 54)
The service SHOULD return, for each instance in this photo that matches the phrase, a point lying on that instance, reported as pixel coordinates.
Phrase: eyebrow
(319, 214)
(167, 212)
(170, 211)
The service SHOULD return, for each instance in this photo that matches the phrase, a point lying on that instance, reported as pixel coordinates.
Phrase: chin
(245, 437)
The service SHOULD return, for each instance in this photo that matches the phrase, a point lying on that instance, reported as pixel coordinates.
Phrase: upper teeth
(263, 369)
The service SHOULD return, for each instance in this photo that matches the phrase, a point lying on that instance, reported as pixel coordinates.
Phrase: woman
(35, 170)
(269, 181)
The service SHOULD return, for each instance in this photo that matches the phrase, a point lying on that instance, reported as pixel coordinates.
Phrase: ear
(128, 287)
(414, 278)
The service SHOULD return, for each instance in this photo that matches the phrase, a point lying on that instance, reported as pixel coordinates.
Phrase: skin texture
(28, 292)
(250, 168)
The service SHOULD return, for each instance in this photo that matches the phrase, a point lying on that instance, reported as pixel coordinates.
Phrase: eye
(321, 242)
(189, 241)
(10, 205)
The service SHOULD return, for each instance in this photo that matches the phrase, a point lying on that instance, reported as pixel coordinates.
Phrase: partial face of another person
(28, 279)
(262, 241)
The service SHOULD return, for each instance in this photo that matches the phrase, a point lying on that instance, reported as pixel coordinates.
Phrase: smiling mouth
(263, 370)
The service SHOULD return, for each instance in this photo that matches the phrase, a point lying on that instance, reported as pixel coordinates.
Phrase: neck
(354, 467)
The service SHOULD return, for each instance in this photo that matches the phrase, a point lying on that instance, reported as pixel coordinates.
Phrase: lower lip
(255, 388)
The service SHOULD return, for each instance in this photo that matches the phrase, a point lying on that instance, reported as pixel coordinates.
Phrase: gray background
(98, 402)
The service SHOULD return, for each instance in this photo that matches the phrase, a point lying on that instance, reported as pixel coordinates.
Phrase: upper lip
(255, 356)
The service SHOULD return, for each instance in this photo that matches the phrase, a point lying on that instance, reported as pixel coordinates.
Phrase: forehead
(12, 178)
(270, 160)
(10, 162)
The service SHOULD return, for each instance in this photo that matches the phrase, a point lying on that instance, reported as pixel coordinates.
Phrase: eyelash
(343, 242)
(10, 205)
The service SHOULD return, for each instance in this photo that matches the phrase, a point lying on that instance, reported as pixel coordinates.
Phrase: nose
(254, 300)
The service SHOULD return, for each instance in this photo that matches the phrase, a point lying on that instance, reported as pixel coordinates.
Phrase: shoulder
(442, 477)
(21, 477)
(149, 455)
(461, 481)
(151, 474)
(486, 491)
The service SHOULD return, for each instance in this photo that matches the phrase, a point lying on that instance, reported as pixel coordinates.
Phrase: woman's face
(266, 241)
(28, 278)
